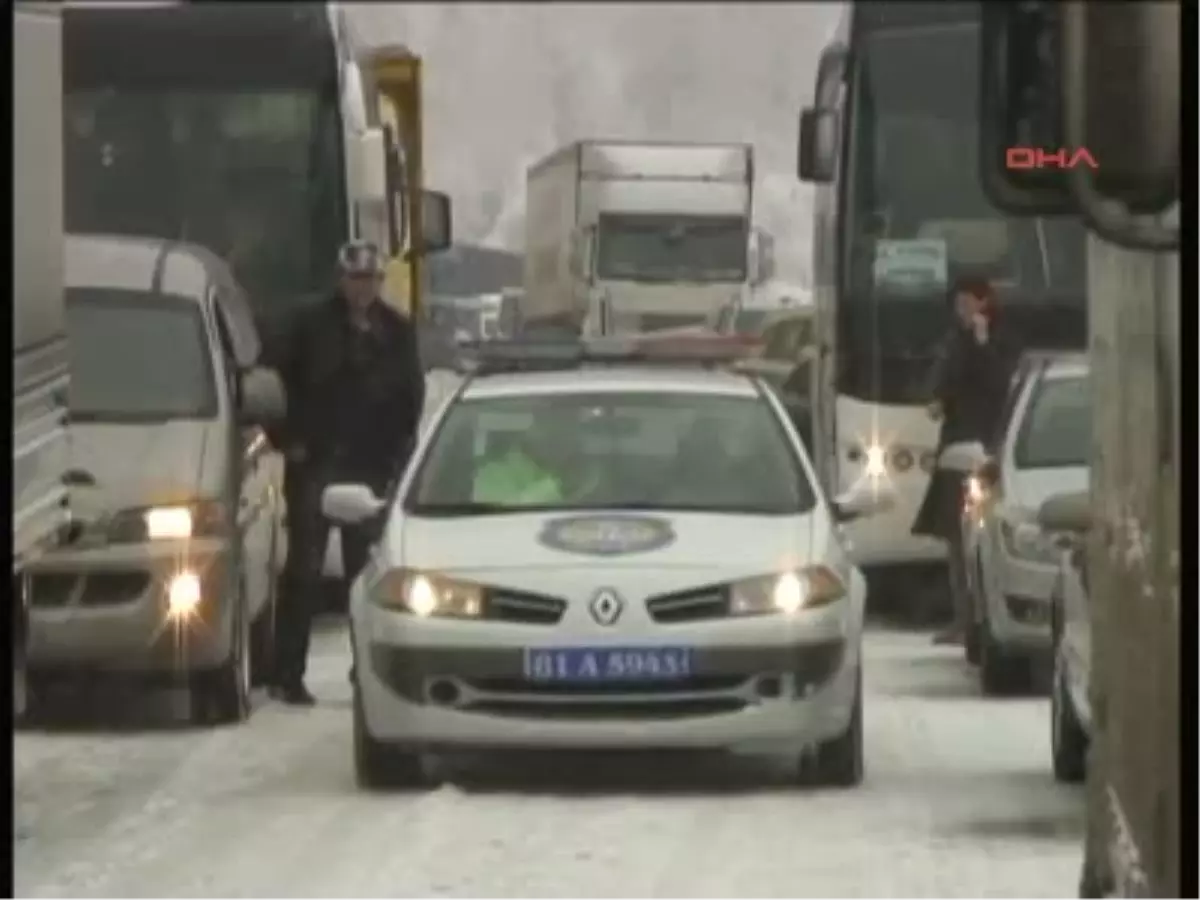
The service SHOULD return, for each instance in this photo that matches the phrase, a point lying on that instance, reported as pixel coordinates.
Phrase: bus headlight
(876, 461)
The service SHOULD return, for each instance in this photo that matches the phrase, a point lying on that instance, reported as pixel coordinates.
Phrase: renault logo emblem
(606, 606)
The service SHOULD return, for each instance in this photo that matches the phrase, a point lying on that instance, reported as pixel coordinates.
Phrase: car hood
(1030, 488)
(120, 467)
(696, 542)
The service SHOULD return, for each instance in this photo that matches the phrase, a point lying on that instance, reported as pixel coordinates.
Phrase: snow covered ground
(958, 801)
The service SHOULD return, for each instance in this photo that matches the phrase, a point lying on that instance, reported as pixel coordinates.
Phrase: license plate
(608, 664)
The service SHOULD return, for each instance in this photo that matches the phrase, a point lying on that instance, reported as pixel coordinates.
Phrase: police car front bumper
(755, 683)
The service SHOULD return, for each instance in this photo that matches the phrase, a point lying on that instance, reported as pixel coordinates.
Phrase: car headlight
(167, 522)
(1024, 540)
(787, 592)
(427, 594)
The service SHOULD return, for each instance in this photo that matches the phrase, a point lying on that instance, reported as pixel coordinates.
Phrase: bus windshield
(919, 217)
(253, 176)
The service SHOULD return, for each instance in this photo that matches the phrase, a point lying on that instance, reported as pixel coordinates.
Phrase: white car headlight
(1024, 540)
(787, 592)
(427, 594)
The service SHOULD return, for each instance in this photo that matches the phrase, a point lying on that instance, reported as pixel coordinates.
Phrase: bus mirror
(370, 166)
(437, 224)
(582, 243)
(817, 145)
(761, 258)
(1130, 143)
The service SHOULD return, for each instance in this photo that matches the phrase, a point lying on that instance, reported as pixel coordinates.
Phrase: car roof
(612, 379)
(150, 265)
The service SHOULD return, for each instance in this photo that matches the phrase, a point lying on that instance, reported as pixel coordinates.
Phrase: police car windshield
(666, 451)
(1057, 430)
(137, 357)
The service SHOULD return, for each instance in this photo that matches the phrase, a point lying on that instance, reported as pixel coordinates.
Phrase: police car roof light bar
(495, 357)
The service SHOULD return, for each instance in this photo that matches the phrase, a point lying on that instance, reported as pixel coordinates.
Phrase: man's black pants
(301, 596)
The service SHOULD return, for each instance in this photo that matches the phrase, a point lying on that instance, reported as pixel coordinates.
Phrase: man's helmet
(360, 258)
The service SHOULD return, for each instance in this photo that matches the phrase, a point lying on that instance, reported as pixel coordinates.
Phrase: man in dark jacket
(970, 383)
(355, 394)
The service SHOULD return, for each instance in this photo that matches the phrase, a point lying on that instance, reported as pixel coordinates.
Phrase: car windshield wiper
(449, 510)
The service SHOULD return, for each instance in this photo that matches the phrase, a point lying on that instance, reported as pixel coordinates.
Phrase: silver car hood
(138, 465)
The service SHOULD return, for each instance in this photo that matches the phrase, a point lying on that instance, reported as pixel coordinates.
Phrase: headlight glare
(787, 592)
(426, 595)
(166, 522)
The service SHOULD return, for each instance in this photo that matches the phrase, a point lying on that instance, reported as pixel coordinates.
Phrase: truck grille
(517, 606)
(56, 589)
(690, 606)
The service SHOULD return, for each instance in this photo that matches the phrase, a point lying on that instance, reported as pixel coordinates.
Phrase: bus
(267, 132)
(890, 145)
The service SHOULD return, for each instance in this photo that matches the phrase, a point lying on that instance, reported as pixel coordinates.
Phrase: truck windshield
(138, 357)
(254, 176)
(611, 450)
(662, 248)
(919, 217)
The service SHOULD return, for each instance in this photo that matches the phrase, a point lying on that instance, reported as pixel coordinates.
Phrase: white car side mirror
(1070, 513)
(862, 502)
(350, 504)
(965, 457)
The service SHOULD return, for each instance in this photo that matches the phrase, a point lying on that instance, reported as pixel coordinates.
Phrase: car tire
(1000, 673)
(378, 766)
(221, 696)
(1068, 740)
(839, 762)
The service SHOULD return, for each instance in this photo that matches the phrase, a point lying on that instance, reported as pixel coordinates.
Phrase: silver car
(170, 570)
(1068, 517)
(678, 582)
(1011, 565)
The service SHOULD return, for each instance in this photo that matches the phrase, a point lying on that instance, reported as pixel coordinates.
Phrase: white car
(1069, 516)
(1010, 563)
(686, 587)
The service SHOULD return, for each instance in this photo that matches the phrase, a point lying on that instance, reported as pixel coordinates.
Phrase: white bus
(890, 144)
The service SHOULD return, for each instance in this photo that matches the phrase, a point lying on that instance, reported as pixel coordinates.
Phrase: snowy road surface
(958, 801)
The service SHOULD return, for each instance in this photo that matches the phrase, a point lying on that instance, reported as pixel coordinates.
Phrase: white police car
(684, 584)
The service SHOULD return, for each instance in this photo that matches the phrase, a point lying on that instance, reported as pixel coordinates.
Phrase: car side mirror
(817, 147)
(262, 399)
(1069, 514)
(1037, 64)
(350, 504)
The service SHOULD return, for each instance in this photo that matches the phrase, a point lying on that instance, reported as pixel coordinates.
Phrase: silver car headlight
(176, 521)
(1024, 540)
(428, 595)
(787, 592)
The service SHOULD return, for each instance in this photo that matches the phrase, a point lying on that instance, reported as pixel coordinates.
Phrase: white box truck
(40, 364)
(625, 236)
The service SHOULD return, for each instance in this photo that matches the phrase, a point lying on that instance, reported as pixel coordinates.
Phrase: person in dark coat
(356, 389)
(969, 384)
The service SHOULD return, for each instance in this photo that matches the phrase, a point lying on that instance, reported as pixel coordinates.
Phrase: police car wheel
(839, 762)
(378, 766)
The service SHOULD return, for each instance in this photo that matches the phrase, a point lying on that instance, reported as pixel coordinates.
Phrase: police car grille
(692, 685)
(517, 606)
(672, 709)
(690, 606)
